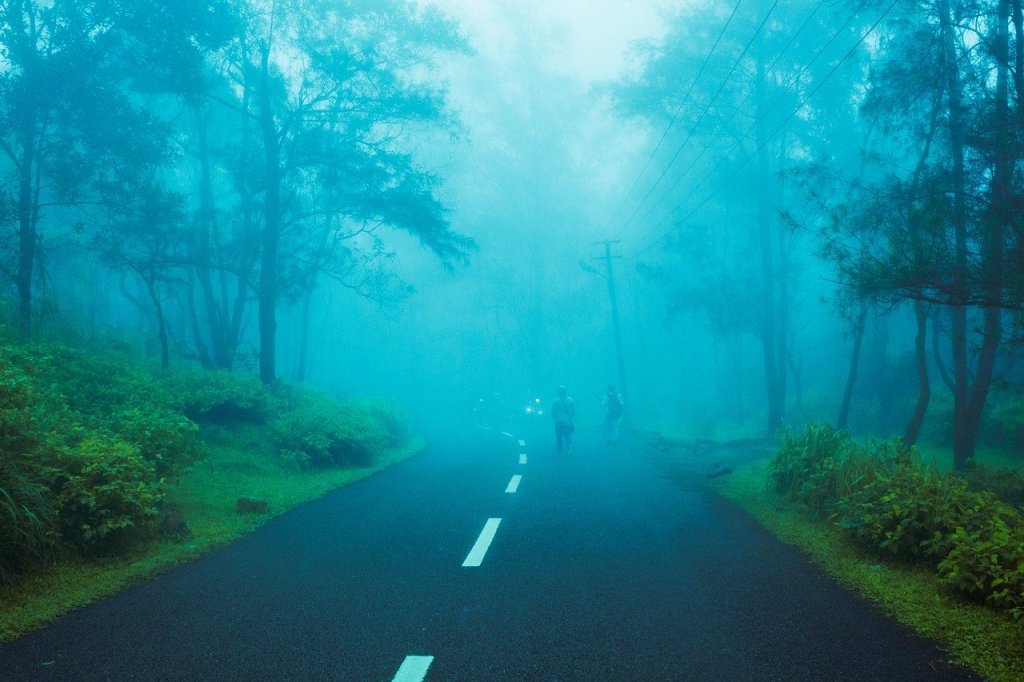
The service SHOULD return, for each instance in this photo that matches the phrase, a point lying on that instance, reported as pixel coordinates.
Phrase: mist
(706, 145)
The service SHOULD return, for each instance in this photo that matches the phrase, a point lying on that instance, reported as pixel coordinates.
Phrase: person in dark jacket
(563, 412)
(612, 413)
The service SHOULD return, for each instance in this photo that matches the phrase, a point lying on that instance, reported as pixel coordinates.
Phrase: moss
(974, 635)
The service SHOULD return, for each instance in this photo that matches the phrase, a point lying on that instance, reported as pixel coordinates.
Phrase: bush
(319, 433)
(986, 556)
(222, 397)
(890, 502)
(820, 465)
(905, 510)
(28, 534)
(1007, 484)
(168, 440)
(108, 495)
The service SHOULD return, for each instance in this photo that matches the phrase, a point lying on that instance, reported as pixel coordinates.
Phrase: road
(599, 569)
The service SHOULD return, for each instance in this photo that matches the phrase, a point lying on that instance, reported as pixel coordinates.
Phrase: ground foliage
(889, 501)
(94, 443)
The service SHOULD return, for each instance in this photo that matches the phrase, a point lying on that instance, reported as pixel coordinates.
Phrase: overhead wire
(804, 101)
(675, 115)
(796, 79)
(700, 119)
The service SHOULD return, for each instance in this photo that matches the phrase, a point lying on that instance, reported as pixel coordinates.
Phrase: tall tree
(71, 136)
(331, 90)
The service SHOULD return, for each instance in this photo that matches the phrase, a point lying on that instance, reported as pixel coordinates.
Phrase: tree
(331, 92)
(948, 228)
(71, 136)
(741, 77)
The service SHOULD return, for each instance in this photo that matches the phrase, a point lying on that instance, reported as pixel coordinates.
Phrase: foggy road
(488, 557)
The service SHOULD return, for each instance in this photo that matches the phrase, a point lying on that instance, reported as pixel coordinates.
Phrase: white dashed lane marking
(522, 458)
(513, 485)
(414, 669)
(507, 434)
(476, 555)
(522, 443)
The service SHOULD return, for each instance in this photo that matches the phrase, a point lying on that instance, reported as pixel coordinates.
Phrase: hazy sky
(588, 38)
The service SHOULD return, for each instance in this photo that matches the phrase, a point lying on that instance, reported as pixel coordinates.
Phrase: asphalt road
(599, 569)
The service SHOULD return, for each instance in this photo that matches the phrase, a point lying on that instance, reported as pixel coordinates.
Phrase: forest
(755, 217)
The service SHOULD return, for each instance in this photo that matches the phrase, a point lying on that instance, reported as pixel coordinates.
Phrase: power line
(700, 119)
(739, 107)
(768, 139)
(675, 115)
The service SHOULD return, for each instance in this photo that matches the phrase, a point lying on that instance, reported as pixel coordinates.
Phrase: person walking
(563, 412)
(612, 413)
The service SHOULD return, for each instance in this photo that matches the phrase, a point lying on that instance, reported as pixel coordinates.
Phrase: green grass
(942, 456)
(974, 635)
(206, 495)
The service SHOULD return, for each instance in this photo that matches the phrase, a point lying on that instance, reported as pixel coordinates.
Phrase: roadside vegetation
(940, 550)
(113, 470)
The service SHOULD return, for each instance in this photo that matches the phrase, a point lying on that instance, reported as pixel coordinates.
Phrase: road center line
(522, 458)
(414, 669)
(522, 443)
(476, 555)
(513, 485)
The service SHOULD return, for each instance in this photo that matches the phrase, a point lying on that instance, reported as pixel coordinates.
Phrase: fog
(445, 176)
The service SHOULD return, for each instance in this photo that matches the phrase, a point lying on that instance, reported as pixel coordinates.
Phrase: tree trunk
(851, 376)
(300, 372)
(774, 385)
(1018, 72)
(154, 297)
(271, 229)
(963, 438)
(215, 322)
(924, 393)
(993, 238)
(27, 237)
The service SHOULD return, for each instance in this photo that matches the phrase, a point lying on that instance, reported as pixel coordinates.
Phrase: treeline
(883, 140)
(226, 155)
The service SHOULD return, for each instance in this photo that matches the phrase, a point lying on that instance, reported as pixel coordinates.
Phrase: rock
(173, 525)
(720, 472)
(250, 505)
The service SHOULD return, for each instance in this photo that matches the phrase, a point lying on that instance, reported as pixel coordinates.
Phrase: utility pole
(615, 314)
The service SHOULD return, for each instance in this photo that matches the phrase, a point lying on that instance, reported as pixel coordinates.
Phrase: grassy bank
(206, 497)
(114, 470)
(975, 636)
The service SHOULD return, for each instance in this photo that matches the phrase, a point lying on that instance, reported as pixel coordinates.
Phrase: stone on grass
(251, 505)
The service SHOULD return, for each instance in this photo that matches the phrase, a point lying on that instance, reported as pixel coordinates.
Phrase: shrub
(820, 465)
(905, 510)
(1007, 484)
(108, 495)
(221, 397)
(387, 415)
(167, 439)
(319, 433)
(96, 385)
(986, 556)
(28, 534)
(890, 502)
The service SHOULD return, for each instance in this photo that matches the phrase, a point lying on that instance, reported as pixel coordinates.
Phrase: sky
(539, 166)
(589, 38)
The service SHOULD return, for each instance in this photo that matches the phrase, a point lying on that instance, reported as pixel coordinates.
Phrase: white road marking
(507, 434)
(414, 669)
(522, 458)
(522, 443)
(476, 555)
(513, 485)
